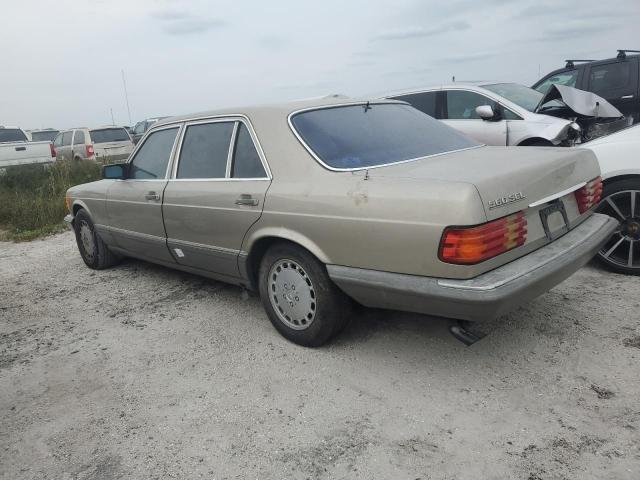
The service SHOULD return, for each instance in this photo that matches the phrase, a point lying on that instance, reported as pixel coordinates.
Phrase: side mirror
(485, 112)
(116, 171)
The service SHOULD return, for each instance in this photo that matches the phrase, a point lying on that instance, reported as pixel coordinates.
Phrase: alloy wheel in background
(622, 251)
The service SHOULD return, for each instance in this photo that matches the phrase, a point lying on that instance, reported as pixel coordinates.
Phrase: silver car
(108, 144)
(318, 203)
(493, 113)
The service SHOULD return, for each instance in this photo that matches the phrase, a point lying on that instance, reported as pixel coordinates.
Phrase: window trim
(134, 154)
(355, 169)
(236, 120)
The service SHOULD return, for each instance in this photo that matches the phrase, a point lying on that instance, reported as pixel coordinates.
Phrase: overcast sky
(61, 60)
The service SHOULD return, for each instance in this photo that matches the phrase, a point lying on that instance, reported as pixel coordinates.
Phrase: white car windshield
(525, 97)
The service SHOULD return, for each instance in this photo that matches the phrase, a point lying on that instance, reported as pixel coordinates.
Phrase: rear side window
(12, 135)
(612, 76)
(425, 102)
(66, 138)
(563, 78)
(152, 158)
(461, 105)
(57, 142)
(246, 161)
(361, 136)
(78, 137)
(105, 135)
(205, 150)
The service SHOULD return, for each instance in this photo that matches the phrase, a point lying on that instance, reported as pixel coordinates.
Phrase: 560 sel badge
(502, 201)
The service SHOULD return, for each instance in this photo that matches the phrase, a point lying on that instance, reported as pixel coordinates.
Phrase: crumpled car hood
(583, 103)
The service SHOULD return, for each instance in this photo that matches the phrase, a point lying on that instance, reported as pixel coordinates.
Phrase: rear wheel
(621, 200)
(93, 250)
(301, 301)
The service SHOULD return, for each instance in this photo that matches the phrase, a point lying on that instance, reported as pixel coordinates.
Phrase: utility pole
(126, 96)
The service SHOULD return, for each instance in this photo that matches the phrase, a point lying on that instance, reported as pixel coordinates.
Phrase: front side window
(246, 161)
(368, 135)
(139, 128)
(205, 150)
(152, 158)
(78, 137)
(612, 76)
(12, 135)
(66, 138)
(461, 105)
(106, 135)
(563, 78)
(425, 102)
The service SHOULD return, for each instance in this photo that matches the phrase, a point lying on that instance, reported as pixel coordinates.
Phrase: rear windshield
(361, 136)
(12, 135)
(47, 136)
(105, 135)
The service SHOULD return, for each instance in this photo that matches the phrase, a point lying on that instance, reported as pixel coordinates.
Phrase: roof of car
(283, 108)
(462, 84)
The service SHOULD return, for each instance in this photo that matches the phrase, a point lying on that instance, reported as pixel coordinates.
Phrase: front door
(134, 205)
(617, 82)
(216, 193)
(460, 113)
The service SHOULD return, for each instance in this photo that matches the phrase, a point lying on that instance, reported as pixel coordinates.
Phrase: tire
(621, 200)
(537, 143)
(93, 250)
(302, 302)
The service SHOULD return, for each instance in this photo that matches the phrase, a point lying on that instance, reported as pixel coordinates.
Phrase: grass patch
(32, 197)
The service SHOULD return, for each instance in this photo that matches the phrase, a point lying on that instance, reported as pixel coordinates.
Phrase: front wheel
(94, 252)
(621, 200)
(302, 302)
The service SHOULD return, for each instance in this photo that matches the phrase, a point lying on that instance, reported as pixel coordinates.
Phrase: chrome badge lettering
(502, 201)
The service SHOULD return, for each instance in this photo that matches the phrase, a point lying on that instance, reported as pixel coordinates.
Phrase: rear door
(460, 113)
(217, 192)
(617, 82)
(134, 205)
(64, 151)
(78, 149)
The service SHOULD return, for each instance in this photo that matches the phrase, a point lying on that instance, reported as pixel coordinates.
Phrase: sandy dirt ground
(144, 372)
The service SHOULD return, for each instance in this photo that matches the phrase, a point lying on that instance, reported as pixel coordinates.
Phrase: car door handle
(247, 200)
(20, 149)
(625, 97)
(152, 196)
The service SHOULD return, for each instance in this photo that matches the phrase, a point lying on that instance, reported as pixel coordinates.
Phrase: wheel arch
(259, 244)
(77, 205)
(527, 142)
(616, 178)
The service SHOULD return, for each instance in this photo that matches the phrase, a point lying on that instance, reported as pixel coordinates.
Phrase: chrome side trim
(202, 246)
(351, 104)
(131, 233)
(544, 200)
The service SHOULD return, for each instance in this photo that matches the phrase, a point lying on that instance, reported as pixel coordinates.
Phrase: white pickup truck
(16, 149)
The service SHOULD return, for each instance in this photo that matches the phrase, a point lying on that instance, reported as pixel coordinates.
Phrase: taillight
(53, 150)
(468, 245)
(89, 149)
(589, 195)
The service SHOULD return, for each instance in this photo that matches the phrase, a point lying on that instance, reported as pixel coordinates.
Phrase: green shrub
(32, 196)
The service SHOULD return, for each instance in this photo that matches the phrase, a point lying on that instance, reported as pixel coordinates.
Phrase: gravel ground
(144, 372)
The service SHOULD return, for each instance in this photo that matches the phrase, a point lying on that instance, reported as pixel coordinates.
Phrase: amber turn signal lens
(67, 203)
(469, 245)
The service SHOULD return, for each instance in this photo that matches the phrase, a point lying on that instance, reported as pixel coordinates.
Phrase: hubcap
(623, 249)
(86, 237)
(292, 294)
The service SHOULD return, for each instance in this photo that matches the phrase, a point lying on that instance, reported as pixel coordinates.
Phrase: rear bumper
(485, 296)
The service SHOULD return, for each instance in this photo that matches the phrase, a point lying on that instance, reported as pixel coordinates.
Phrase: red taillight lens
(89, 149)
(589, 195)
(468, 245)
(53, 150)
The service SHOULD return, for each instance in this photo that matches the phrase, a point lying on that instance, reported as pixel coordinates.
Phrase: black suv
(614, 79)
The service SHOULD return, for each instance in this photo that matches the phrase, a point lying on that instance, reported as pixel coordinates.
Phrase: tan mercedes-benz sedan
(315, 204)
